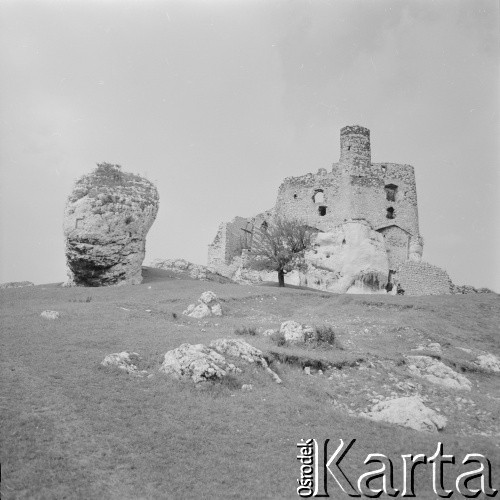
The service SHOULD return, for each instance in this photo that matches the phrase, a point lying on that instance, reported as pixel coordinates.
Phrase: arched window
(322, 211)
(318, 196)
(264, 226)
(390, 213)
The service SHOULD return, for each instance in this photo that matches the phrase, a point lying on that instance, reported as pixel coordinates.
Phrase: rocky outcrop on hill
(349, 259)
(437, 372)
(462, 289)
(106, 219)
(197, 362)
(240, 348)
(15, 284)
(408, 412)
(208, 305)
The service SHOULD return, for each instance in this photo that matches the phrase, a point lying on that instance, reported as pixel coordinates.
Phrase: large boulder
(106, 219)
(408, 412)
(437, 372)
(197, 362)
(208, 305)
(488, 362)
(295, 333)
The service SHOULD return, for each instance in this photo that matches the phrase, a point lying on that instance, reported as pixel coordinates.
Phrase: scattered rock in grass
(50, 315)
(197, 362)
(294, 332)
(208, 305)
(245, 351)
(433, 346)
(437, 372)
(488, 362)
(407, 412)
(124, 361)
(307, 370)
(268, 333)
(15, 284)
(247, 387)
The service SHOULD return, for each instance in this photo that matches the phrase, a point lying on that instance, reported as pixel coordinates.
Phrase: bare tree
(280, 246)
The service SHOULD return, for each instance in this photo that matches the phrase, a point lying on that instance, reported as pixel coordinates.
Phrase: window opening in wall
(295, 196)
(264, 226)
(318, 196)
(322, 211)
(343, 242)
(348, 148)
(390, 213)
(384, 168)
(390, 192)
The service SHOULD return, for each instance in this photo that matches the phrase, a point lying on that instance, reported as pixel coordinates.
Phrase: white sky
(218, 101)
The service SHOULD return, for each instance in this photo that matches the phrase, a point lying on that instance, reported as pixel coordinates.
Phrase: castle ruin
(366, 216)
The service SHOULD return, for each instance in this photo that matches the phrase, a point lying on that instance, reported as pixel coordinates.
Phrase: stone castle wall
(328, 199)
(422, 278)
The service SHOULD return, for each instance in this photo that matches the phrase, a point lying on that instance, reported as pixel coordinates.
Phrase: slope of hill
(72, 428)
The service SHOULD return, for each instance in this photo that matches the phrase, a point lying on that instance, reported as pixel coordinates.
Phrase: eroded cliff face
(106, 219)
(349, 259)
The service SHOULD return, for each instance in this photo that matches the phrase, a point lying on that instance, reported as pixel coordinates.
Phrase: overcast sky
(217, 102)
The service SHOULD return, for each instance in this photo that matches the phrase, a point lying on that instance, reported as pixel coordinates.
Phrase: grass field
(71, 428)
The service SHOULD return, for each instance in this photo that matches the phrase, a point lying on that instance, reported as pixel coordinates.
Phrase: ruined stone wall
(383, 194)
(302, 198)
(397, 242)
(422, 278)
(233, 237)
(228, 242)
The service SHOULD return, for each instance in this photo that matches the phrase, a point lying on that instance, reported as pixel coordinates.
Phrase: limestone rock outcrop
(294, 332)
(15, 284)
(408, 412)
(106, 219)
(196, 271)
(351, 258)
(197, 362)
(50, 314)
(240, 348)
(208, 305)
(124, 361)
(488, 362)
(437, 372)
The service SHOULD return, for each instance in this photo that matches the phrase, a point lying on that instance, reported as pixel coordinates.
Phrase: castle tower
(355, 147)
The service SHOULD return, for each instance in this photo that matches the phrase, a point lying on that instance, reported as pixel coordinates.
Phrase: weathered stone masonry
(381, 194)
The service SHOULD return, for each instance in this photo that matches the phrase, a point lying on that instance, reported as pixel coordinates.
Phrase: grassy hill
(72, 428)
